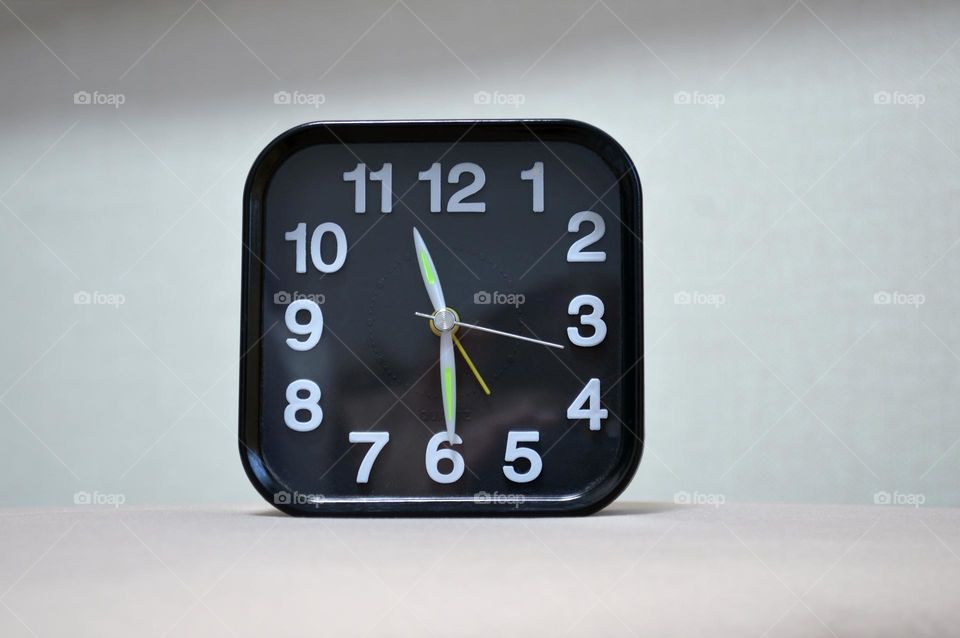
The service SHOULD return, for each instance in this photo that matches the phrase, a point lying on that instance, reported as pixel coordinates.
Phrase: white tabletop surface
(633, 570)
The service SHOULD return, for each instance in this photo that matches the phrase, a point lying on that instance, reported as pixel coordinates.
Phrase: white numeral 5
(514, 452)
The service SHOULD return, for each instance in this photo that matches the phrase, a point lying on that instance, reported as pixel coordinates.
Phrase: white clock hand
(448, 381)
(429, 273)
(448, 369)
(492, 331)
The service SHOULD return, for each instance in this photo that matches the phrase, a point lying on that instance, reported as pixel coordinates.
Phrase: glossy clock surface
(350, 403)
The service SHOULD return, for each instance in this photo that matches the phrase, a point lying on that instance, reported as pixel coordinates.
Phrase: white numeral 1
(535, 175)
(359, 178)
(379, 440)
(589, 396)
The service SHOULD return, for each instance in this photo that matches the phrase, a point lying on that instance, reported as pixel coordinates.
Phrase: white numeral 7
(379, 440)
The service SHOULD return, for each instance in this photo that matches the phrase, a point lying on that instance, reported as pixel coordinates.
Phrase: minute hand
(496, 332)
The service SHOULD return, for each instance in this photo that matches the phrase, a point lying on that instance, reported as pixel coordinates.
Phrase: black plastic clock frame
(449, 131)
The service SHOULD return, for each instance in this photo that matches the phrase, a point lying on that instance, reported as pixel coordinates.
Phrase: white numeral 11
(358, 176)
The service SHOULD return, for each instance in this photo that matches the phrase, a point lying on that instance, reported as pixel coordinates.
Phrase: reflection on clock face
(442, 318)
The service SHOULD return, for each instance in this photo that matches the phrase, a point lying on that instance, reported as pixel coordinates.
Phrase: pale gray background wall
(787, 188)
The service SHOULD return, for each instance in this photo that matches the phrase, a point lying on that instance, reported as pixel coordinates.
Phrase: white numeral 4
(515, 452)
(589, 397)
(379, 440)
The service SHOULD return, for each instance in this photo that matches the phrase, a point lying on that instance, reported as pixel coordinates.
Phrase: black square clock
(442, 318)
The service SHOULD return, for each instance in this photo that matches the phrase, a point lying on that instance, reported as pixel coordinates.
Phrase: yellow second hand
(472, 367)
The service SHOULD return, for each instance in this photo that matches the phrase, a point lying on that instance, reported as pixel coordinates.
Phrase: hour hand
(448, 383)
(429, 273)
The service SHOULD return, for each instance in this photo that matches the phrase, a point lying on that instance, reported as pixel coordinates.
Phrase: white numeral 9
(514, 452)
(313, 328)
(593, 319)
(435, 455)
(576, 252)
(299, 235)
(309, 404)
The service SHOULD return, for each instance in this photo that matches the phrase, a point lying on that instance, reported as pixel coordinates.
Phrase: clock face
(442, 318)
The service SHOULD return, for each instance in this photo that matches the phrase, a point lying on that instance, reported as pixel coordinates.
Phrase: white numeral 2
(589, 396)
(379, 440)
(576, 252)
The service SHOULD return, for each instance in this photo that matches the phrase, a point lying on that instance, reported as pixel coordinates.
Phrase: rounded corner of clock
(260, 477)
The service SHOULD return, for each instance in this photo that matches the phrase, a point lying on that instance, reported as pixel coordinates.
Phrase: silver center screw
(444, 319)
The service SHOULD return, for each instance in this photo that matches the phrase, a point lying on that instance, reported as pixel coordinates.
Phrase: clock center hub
(444, 320)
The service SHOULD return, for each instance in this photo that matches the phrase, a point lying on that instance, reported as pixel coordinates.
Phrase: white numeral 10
(299, 235)
(587, 405)
(359, 177)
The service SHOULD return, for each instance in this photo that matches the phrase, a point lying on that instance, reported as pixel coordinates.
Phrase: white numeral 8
(310, 404)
